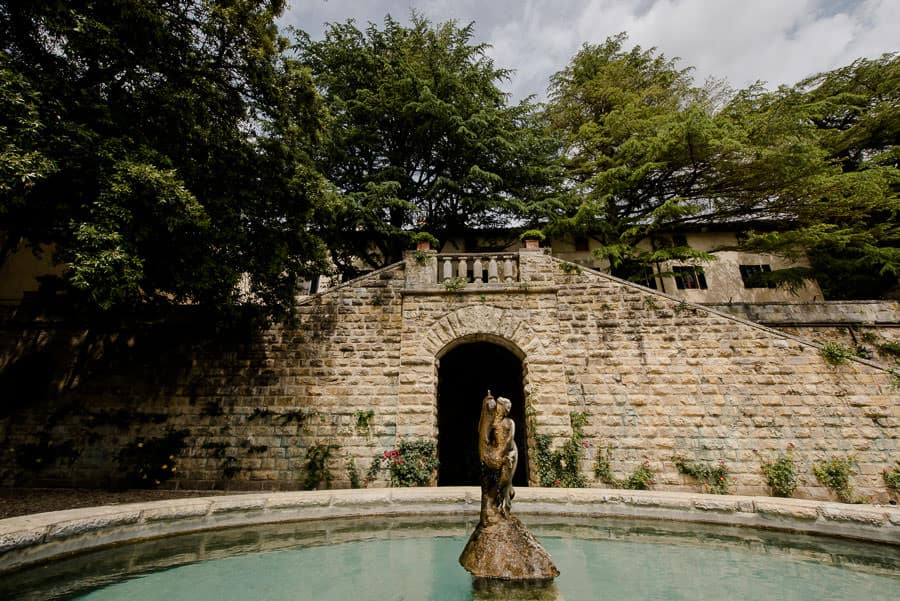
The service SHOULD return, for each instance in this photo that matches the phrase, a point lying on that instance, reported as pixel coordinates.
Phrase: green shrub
(836, 353)
(412, 463)
(835, 475)
(426, 237)
(713, 477)
(781, 474)
(532, 235)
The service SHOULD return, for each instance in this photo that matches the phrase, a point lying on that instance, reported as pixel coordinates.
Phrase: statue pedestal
(504, 549)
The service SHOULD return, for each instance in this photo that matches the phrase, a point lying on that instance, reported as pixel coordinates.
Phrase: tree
(161, 148)
(647, 152)
(419, 137)
(847, 220)
(639, 141)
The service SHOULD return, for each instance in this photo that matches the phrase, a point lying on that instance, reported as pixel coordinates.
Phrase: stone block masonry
(654, 377)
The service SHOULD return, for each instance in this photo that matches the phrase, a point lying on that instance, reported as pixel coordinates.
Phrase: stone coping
(37, 538)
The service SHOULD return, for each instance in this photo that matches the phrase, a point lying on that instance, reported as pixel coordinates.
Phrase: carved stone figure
(501, 547)
(497, 448)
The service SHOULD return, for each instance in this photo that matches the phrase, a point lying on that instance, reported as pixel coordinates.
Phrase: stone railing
(479, 268)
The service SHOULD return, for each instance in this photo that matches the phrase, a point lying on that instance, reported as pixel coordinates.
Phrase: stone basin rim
(42, 537)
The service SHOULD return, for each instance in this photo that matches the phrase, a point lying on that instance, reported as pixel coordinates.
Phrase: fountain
(501, 548)
(400, 543)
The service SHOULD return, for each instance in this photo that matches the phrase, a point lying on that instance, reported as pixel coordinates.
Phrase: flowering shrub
(781, 474)
(412, 463)
(834, 475)
(713, 477)
(642, 478)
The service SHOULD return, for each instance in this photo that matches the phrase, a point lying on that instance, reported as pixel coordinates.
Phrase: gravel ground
(22, 501)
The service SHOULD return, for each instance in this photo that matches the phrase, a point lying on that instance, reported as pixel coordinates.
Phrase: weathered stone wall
(655, 377)
(239, 414)
(660, 378)
(871, 328)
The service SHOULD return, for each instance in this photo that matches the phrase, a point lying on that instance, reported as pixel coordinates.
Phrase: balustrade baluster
(448, 269)
(477, 273)
(463, 269)
(492, 270)
(508, 273)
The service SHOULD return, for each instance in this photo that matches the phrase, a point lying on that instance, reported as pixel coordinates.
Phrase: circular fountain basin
(404, 543)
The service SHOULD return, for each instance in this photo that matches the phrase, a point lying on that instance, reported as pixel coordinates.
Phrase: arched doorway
(467, 371)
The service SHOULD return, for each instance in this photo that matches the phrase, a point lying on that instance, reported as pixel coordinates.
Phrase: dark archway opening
(466, 373)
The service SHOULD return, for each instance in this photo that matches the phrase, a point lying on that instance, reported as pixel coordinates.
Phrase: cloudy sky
(777, 41)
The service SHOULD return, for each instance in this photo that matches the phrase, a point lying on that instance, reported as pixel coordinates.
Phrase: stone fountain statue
(501, 547)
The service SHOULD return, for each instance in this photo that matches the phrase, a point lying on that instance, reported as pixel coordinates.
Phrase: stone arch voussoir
(482, 321)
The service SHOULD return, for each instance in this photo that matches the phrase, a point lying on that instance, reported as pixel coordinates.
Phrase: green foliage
(845, 205)
(570, 268)
(419, 136)
(834, 474)
(316, 469)
(421, 257)
(892, 477)
(426, 237)
(364, 420)
(533, 235)
(890, 348)
(148, 462)
(162, 148)
(638, 141)
(412, 463)
(836, 353)
(642, 478)
(454, 284)
(353, 474)
(781, 474)
(648, 153)
(713, 477)
(562, 467)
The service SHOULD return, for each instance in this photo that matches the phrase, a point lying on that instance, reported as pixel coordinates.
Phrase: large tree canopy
(846, 219)
(161, 147)
(419, 137)
(646, 151)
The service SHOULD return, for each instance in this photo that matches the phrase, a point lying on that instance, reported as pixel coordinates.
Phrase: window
(689, 277)
(581, 244)
(679, 240)
(753, 278)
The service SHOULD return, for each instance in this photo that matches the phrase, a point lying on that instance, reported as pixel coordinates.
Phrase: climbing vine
(713, 477)
(642, 478)
(561, 468)
(316, 469)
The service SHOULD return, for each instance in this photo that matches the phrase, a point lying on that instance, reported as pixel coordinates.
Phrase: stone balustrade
(479, 268)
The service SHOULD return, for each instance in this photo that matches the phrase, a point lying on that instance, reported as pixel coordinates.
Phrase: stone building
(407, 352)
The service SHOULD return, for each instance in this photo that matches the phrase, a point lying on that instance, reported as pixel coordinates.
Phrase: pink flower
(399, 460)
(584, 444)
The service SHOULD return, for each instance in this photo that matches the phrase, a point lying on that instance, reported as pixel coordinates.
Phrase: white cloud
(778, 41)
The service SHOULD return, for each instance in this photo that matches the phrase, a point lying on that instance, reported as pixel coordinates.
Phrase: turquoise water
(421, 568)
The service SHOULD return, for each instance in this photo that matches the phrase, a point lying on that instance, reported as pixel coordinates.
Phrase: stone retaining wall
(654, 377)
